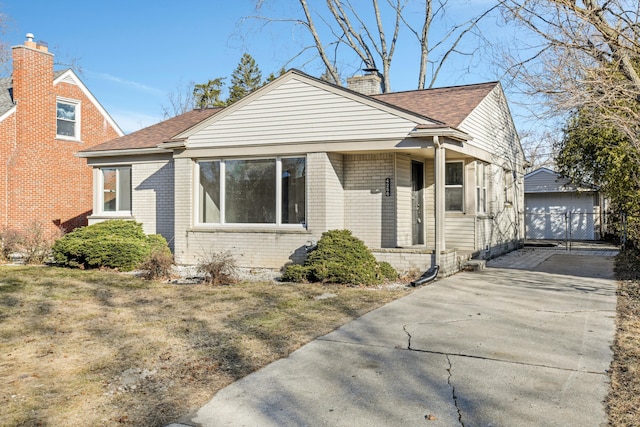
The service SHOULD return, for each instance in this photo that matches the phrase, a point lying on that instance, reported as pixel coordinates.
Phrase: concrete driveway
(507, 346)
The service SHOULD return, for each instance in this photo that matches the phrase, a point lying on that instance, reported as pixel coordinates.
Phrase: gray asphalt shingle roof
(6, 95)
(158, 133)
(450, 106)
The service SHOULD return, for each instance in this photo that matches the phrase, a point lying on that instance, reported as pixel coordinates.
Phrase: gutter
(123, 152)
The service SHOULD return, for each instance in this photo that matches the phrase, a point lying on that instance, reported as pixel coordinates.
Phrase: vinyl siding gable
(493, 130)
(295, 112)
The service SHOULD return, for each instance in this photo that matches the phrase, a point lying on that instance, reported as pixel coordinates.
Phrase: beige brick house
(422, 177)
(45, 117)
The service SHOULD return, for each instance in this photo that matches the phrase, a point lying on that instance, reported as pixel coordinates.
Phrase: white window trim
(78, 111)
(99, 199)
(223, 224)
(481, 186)
(462, 186)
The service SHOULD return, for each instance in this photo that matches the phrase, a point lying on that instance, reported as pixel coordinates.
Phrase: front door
(417, 202)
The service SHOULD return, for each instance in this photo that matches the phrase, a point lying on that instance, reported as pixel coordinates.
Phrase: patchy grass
(80, 348)
(623, 402)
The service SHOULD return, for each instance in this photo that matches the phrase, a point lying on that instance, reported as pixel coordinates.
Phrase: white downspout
(440, 211)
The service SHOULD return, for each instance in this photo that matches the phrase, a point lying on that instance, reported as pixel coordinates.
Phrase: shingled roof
(6, 95)
(450, 105)
(153, 135)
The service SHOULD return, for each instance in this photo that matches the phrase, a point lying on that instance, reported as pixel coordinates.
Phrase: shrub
(33, 244)
(387, 271)
(218, 268)
(37, 243)
(158, 264)
(116, 244)
(11, 241)
(295, 273)
(340, 257)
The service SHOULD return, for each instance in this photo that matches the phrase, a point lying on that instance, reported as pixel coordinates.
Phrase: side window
(116, 189)
(454, 186)
(68, 119)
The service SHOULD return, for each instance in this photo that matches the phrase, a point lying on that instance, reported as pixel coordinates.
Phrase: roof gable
(298, 108)
(69, 77)
(66, 76)
(545, 180)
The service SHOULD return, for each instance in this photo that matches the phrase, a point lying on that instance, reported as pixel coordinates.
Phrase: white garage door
(559, 216)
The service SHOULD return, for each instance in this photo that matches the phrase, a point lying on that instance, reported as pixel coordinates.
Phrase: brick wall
(259, 247)
(369, 212)
(153, 198)
(43, 181)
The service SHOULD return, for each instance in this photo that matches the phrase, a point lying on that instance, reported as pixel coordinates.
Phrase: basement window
(68, 119)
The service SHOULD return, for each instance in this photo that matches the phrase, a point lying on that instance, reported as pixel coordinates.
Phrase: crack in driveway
(453, 390)
(404, 328)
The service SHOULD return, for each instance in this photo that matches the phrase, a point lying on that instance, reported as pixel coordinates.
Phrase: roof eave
(172, 145)
(121, 152)
(448, 132)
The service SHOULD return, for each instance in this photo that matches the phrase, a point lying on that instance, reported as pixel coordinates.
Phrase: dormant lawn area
(95, 348)
(623, 403)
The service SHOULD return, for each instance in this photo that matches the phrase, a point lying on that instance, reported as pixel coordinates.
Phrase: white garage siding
(556, 216)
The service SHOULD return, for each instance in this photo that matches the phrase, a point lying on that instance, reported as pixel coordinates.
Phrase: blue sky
(133, 53)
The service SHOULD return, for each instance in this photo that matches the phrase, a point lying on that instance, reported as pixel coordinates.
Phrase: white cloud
(125, 82)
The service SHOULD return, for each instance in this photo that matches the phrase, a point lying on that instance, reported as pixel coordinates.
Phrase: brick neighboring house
(45, 117)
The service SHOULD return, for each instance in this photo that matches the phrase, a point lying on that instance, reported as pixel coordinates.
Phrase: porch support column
(440, 211)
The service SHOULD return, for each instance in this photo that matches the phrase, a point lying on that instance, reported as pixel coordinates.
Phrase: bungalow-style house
(45, 117)
(557, 209)
(422, 177)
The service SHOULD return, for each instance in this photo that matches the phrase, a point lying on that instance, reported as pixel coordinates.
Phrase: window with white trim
(68, 119)
(252, 191)
(481, 187)
(116, 189)
(454, 186)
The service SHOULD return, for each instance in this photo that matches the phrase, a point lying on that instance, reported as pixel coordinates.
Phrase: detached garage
(556, 209)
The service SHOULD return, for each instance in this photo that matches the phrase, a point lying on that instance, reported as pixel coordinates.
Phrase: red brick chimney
(33, 89)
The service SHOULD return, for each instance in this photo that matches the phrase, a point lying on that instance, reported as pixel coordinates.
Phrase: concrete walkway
(499, 347)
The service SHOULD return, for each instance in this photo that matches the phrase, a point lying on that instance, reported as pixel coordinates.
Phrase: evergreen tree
(208, 94)
(596, 154)
(245, 79)
(273, 76)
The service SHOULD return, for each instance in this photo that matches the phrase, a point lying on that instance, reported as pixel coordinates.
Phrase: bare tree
(371, 33)
(5, 49)
(581, 55)
(538, 149)
(180, 101)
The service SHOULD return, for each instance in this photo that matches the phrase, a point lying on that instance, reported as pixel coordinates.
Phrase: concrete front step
(475, 264)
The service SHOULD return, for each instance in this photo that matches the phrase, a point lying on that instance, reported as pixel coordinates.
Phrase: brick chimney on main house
(45, 117)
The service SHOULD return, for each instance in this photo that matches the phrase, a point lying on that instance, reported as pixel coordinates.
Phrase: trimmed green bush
(116, 244)
(387, 271)
(295, 273)
(340, 257)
